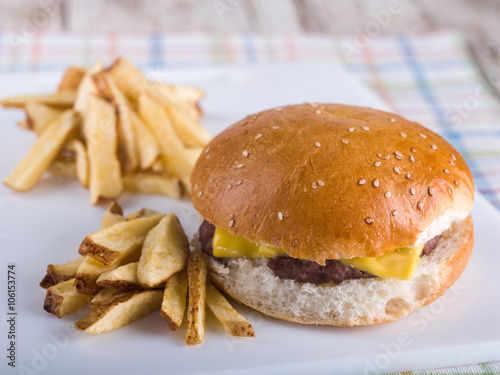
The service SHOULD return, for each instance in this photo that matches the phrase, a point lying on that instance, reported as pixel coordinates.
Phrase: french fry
(130, 79)
(150, 183)
(62, 166)
(57, 273)
(103, 297)
(158, 168)
(61, 100)
(174, 299)
(232, 322)
(81, 160)
(39, 116)
(86, 90)
(23, 124)
(72, 78)
(127, 147)
(100, 132)
(188, 129)
(113, 215)
(122, 309)
(123, 278)
(31, 168)
(90, 269)
(194, 153)
(188, 94)
(197, 276)
(147, 148)
(173, 151)
(164, 252)
(117, 242)
(143, 212)
(62, 299)
(87, 275)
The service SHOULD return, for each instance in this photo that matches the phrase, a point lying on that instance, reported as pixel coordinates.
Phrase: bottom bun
(352, 302)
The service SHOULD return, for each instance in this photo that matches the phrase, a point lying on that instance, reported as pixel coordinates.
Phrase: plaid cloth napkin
(430, 78)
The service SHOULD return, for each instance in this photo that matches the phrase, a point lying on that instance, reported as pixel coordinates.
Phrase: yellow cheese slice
(398, 264)
(227, 245)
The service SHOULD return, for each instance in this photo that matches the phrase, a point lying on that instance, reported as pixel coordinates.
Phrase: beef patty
(302, 270)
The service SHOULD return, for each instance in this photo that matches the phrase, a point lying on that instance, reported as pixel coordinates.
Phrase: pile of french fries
(133, 265)
(114, 130)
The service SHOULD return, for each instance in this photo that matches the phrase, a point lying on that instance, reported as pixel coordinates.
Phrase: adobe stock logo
(420, 321)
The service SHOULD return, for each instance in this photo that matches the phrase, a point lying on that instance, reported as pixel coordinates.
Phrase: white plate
(47, 224)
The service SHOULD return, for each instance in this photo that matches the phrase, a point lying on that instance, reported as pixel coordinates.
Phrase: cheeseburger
(333, 214)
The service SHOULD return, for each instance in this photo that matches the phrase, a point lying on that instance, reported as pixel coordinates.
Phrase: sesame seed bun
(328, 181)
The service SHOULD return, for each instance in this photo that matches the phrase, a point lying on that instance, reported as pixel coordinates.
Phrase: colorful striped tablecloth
(430, 78)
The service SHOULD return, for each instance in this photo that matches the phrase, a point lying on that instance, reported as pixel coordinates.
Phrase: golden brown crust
(290, 178)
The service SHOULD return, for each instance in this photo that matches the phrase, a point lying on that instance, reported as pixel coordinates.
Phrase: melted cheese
(398, 264)
(227, 245)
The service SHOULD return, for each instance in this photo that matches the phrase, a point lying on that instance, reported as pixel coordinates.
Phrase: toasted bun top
(329, 181)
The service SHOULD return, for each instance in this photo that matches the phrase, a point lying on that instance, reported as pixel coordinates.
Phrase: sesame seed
(403, 134)
(365, 128)
(399, 157)
(456, 183)
(345, 141)
(317, 144)
(229, 186)
(208, 156)
(212, 179)
(412, 191)
(231, 223)
(200, 193)
(314, 104)
(362, 181)
(318, 112)
(240, 166)
(314, 185)
(394, 212)
(434, 147)
(369, 220)
(422, 135)
(387, 194)
(420, 205)
(393, 120)
(452, 163)
(431, 190)
(449, 191)
(380, 156)
(376, 183)
(279, 109)
(276, 127)
(398, 153)
(453, 157)
(412, 158)
(295, 243)
(387, 157)
(351, 129)
(207, 149)
(409, 176)
(321, 183)
(396, 169)
(238, 183)
(447, 171)
(377, 163)
(413, 149)
(231, 216)
(196, 187)
(280, 215)
(258, 136)
(245, 153)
